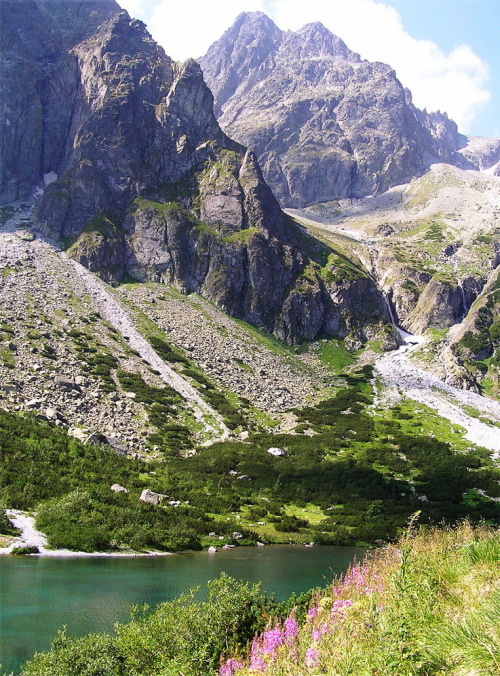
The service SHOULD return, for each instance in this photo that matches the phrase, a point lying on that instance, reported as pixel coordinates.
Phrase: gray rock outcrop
(117, 488)
(151, 497)
(38, 85)
(324, 123)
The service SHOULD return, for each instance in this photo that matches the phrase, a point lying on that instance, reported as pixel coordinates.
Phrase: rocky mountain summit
(146, 183)
(324, 123)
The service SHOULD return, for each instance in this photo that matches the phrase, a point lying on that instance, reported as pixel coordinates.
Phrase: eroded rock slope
(433, 245)
(324, 123)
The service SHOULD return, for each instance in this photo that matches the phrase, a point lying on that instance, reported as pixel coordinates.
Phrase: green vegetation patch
(6, 212)
(97, 358)
(427, 605)
(161, 404)
(184, 636)
(7, 357)
(69, 483)
(364, 469)
(102, 225)
(339, 268)
(315, 249)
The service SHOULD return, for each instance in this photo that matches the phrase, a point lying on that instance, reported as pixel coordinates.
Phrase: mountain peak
(324, 123)
(146, 183)
(245, 46)
(254, 26)
(254, 18)
(317, 41)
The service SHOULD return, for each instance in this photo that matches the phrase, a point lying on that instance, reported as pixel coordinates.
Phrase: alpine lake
(39, 595)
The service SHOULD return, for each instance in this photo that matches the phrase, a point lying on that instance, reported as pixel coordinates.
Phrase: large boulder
(151, 497)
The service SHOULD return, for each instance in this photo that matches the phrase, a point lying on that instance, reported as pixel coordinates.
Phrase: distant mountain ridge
(324, 123)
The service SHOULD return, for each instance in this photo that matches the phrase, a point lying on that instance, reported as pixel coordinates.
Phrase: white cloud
(133, 7)
(453, 82)
(187, 28)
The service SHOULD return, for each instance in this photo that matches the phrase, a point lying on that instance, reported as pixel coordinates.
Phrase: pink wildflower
(230, 667)
(291, 631)
(311, 613)
(337, 608)
(271, 641)
(257, 664)
(312, 657)
(326, 628)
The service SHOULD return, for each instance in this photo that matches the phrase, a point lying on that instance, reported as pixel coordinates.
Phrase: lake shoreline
(90, 594)
(30, 537)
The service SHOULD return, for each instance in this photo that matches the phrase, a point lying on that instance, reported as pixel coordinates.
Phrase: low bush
(25, 551)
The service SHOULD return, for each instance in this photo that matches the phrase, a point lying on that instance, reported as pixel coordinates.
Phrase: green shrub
(25, 551)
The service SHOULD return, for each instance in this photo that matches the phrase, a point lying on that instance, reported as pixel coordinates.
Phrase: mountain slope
(139, 361)
(433, 245)
(324, 123)
(147, 185)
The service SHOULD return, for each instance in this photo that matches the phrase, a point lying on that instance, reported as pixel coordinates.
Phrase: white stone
(78, 433)
(118, 489)
(151, 497)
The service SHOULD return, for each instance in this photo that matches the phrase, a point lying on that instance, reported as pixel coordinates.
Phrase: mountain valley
(433, 245)
(157, 301)
(252, 300)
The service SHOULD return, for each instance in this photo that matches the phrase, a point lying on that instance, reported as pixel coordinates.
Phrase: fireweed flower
(316, 634)
(257, 664)
(230, 667)
(256, 656)
(271, 641)
(323, 618)
(311, 613)
(311, 658)
(326, 628)
(291, 631)
(339, 605)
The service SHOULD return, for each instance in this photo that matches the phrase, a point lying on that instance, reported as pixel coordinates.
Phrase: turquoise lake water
(40, 595)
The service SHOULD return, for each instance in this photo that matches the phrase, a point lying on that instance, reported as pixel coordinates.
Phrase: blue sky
(452, 22)
(445, 51)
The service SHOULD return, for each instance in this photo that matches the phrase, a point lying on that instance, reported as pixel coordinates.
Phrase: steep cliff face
(149, 186)
(324, 124)
(472, 354)
(38, 83)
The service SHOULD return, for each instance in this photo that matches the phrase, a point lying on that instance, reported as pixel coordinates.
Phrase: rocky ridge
(147, 185)
(324, 123)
